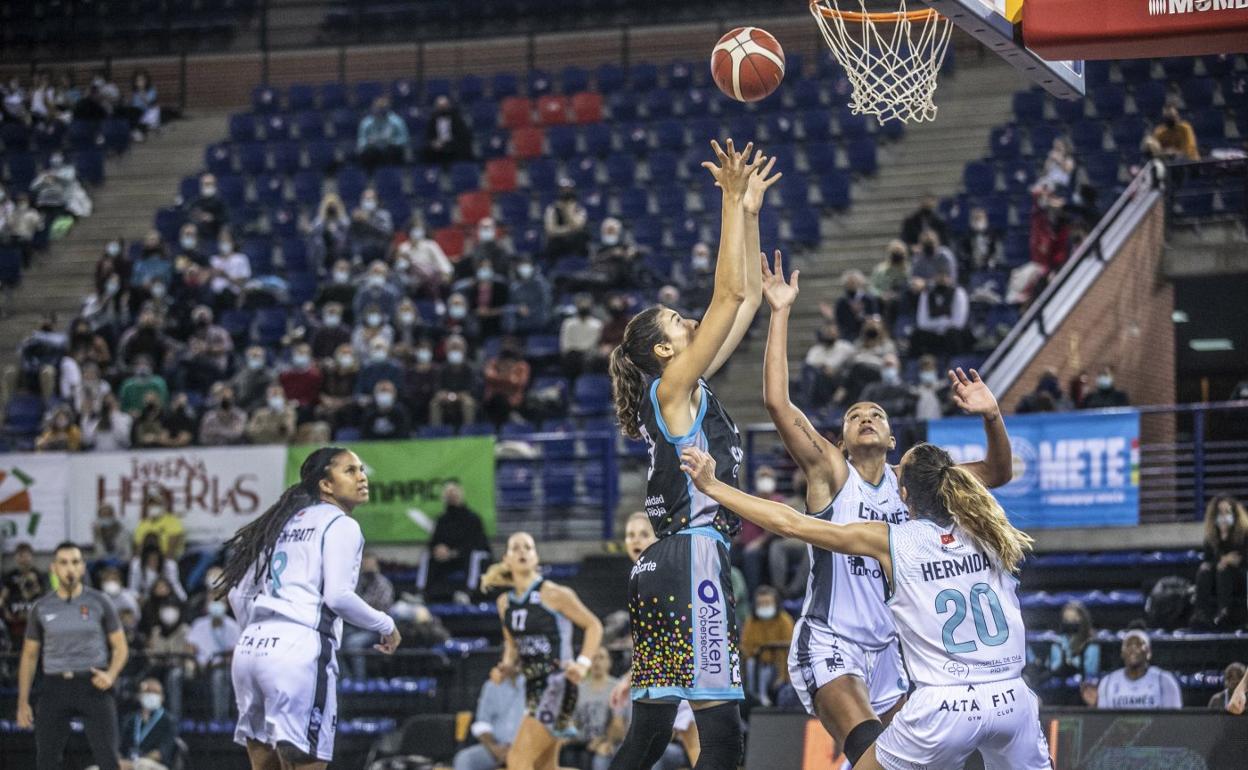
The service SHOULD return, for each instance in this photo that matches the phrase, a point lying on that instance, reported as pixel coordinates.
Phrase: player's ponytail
(632, 365)
(497, 576)
(938, 488)
(252, 546)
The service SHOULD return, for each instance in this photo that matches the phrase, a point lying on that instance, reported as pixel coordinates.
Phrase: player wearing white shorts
(291, 577)
(845, 662)
(951, 569)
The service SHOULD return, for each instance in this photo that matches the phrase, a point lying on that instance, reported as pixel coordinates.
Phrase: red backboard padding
(1126, 29)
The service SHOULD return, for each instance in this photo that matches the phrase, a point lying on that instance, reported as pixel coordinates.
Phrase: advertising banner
(32, 500)
(1071, 469)
(216, 490)
(405, 480)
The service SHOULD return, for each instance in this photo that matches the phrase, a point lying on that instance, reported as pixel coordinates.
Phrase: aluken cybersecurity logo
(1168, 7)
(712, 629)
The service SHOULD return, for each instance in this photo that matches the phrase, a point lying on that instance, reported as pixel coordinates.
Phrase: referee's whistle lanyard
(141, 731)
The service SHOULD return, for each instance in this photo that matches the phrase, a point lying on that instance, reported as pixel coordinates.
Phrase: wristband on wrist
(581, 660)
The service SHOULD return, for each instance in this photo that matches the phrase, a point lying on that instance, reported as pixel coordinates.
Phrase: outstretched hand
(760, 180)
(732, 173)
(972, 394)
(699, 465)
(779, 293)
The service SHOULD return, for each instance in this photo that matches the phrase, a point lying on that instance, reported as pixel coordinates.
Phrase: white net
(891, 60)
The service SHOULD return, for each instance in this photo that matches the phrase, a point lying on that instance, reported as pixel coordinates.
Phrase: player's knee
(860, 739)
(719, 732)
(292, 754)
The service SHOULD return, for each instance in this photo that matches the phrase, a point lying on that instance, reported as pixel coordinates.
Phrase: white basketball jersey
(957, 611)
(294, 585)
(847, 593)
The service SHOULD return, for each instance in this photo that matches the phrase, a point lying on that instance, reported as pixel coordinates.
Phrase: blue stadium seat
(10, 266)
(302, 287)
(513, 208)
(242, 127)
(696, 103)
(979, 178)
(351, 183)
(514, 482)
(679, 74)
(308, 187)
(90, 166)
(1004, 142)
(252, 158)
(781, 128)
(664, 167)
(621, 170)
(265, 99)
(436, 215)
(348, 433)
(23, 416)
(817, 125)
(276, 127)
(621, 107)
(1150, 97)
(502, 85)
(598, 139)
(1102, 169)
(346, 124)
(804, 223)
(543, 174)
(285, 157)
(301, 97)
(635, 139)
(484, 116)
(116, 135)
(583, 172)
(669, 134)
(1218, 65)
(1069, 110)
(310, 125)
(1029, 107)
(634, 203)
(807, 94)
(259, 251)
(558, 485)
(1041, 136)
(1197, 93)
(322, 155)
(862, 156)
(366, 92)
(295, 255)
(539, 83)
(233, 190)
(851, 126)
(1088, 136)
(333, 96)
(574, 79)
(795, 192)
(1179, 68)
(609, 78)
(270, 190)
(834, 188)
(541, 347)
(1209, 124)
(1110, 101)
(236, 322)
(269, 326)
(562, 141)
(643, 77)
(658, 103)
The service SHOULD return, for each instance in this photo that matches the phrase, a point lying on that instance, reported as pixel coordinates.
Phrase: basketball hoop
(893, 75)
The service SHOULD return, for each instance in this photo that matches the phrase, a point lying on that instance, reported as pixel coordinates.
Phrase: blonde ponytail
(497, 576)
(977, 513)
(632, 363)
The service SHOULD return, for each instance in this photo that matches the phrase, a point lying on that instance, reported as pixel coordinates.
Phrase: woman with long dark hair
(951, 570)
(680, 596)
(290, 577)
(1220, 579)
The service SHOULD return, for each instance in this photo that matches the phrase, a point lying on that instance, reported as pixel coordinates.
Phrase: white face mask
(1105, 382)
(208, 190)
(368, 204)
(301, 361)
(346, 362)
(376, 280)
(486, 234)
(277, 403)
(373, 319)
(416, 234)
(402, 265)
(927, 377)
(610, 239)
(485, 274)
(158, 290)
(225, 248)
(255, 364)
(455, 357)
(765, 613)
(151, 700)
(456, 311)
(407, 319)
(1226, 520)
(332, 320)
(890, 374)
(701, 263)
(113, 284)
(378, 354)
(424, 355)
(188, 242)
(169, 615)
(342, 276)
(765, 485)
(385, 400)
(524, 271)
(111, 587)
(216, 609)
(112, 249)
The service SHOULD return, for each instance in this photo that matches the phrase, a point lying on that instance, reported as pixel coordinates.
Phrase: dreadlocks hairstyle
(632, 364)
(939, 489)
(251, 548)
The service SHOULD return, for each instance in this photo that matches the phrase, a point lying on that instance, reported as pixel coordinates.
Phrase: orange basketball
(747, 64)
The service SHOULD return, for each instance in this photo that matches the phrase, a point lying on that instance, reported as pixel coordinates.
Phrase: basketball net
(892, 73)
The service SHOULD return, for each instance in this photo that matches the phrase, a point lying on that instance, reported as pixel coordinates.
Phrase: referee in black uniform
(84, 649)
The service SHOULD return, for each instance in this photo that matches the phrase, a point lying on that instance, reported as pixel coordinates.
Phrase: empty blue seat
(621, 106)
(269, 326)
(502, 85)
(322, 155)
(465, 176)
(598, 139)
(1029, 106)
(669, 134)
(807, 94)
(1135, 70)
(670, 200)
(1128, 130)
(1110, 100)
(609, 78)
(345, 122)
(10, 265)
(562, 141)
(484, 116)
(116, 135)
(242, 127)
(591, 395)
(658, 103)
(1150, 97)
(270, 190)
(621, 170)
(233, 190)
(1069, 110)
(435, 87)
(795, 192)
(259, 251)
(252, 158)
(1088, 136)
(470, 89)
(302, 287)
(23, 416)
(351, 183)
(540, 83)
(333, 96)
(1179, 68)
(834, 188)
(513, 208)
(308, 187)
(543, 174)
(574, 80)
(804, 224)
(862, 156)
(1042, 136)
(265, 99)
(643, 77)
(696, 103)
(664, 167)
(1209, 124)
(1197, 93)
(276, 127)
(1102, 170)
(541, 347)
(634, 203)
(310, 125)
(301, 97)
(90, 166)
(583, 172)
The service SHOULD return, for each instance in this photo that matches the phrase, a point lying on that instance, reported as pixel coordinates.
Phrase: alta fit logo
(1168, 7)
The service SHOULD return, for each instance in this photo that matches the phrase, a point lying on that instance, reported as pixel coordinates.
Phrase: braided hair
(251, 547)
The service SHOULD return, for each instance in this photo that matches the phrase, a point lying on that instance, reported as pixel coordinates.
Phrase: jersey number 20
(979, 591)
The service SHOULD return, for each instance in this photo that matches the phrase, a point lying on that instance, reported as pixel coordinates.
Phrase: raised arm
(821, 462)
(682, 374)
(973, 396)
(866, 539)
(755, 191)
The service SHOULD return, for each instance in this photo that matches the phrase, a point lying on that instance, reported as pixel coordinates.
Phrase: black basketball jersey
(543, 637)
(672, 502)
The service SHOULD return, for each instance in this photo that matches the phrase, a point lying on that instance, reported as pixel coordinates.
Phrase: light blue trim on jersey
(528, 591)
(706, 531)
(565, 633)
(686, 693)
(321, 603)
(694, 429)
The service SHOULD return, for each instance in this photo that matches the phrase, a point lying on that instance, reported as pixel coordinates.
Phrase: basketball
(747, 64)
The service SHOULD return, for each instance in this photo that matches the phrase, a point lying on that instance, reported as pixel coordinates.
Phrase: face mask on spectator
(765, 485)
(610, 238)
(225, 248)
(457, 311)
(1105, 381)
(151, 700)
(455, 357)
(765, 611)
(112, 284)
(342, 276)
(112, 249)
(373, 319)
(332, 320)
(378, 354)
(701, 263)
(890, 375)
(346, 361)
(485, 274)
(927, 377)
(369, 205)
(416, 234)
(169, 615)
(376, 280)
(277, 403)
(424, 355)
(188, 242)
(301, 360)
(207, 190)
(255, 363)
(216, 609)
(402, 265)
(158, 290)
(486, 234)
(111, 587)
(385, 399)
(407, 318)
(524, 270)
(979, 224)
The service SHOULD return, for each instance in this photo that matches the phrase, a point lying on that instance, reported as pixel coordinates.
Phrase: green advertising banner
(405, 480)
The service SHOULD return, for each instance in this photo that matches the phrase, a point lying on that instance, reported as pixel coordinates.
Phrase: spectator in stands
(929, 395)
(428, 266)
(149, 736)
(457, 383)
(487, 296)
(208, 355)
(615, 257)
(1223, 570)
(159, 520)
(230, 271)
(749, 547)
(140, 383)
(169, 653)
(531, 299)
(925, 218)
(178, 422)
(420, 382)
(340, 289)
(765, 644)
(489, 246)
(40, 355)
(1076, 651)
(669, 296)
(372, 227)
(458, 320)
(980, 246)
(149, 567)
(142, 110)
(506, 379)
(788, 559)
(110, 536)
(826, 359)
(698, 283)
(212, 637)
(110, 583)
(579, 336)
(386, 418)
(60, 434)
(58, 192)
(338, 387)
(24, 584)
(377, 592)
(1230, 681)
(153, 264)
(224, 423)
(301, 381)
(273, 423)
(447, 138)
(90, 349)
(147, 430)
(331, 333)
(252, 381)
(190, 250)
(382, 137)
(890, 279)
(408, 326)
(1058, 173)
(566, 224)
(1175, 136)
(208, 211)
(24, 222)
(854, 306)
(1106, 396)
(379, 366)
(944, 313)
(379, 291)
(1138, 685)
(457, 534)
(88, 397)
(895, 396)
(1240, 391)
(594, 718)
(371, 327)
(929, 257)
(1047, 396)
(329, 235)
(1050, 233)
(500, 708)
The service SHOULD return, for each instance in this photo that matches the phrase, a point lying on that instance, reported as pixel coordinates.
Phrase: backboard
(997, 24)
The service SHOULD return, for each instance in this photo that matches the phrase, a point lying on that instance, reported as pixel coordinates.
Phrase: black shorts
(551, 699)
(683, 617)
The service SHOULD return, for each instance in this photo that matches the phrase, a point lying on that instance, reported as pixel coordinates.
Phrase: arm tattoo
(814, 440)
